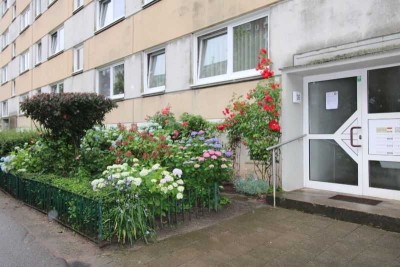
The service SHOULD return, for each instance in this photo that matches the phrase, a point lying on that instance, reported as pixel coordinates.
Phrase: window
(4, 109)
(155, 72)
(22, 98)
(50, 2)
(3, 7)
(230, 52)
(5, 39)
(38, 91)
(24, 62)
(4, 74)
(57, 88)
(14, 11)
(78, 4)
(78, 58)
(13, 89)
(38, 53)
(56, 41)
(13, 50)
(111, 81)
(38, 8)
(109, 11)
(25, 19)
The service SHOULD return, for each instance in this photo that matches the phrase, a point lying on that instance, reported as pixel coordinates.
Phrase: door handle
(351, 136)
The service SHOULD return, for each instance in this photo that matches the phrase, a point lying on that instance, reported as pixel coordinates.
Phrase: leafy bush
(251, 186)
(67, 115)
(10, 139)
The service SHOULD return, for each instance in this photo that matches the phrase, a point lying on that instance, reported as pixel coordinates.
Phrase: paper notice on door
(332, 100)
(384, 137)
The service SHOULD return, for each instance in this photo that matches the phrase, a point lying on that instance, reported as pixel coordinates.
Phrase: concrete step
(385, 215)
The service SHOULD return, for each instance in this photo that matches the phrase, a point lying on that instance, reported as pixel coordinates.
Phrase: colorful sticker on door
(384, 137)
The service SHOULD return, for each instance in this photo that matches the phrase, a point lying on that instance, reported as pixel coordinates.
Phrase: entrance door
(333, 148)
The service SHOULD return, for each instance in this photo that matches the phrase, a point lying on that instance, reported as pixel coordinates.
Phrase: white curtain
(248, 39)
(213, 55)
(157, 70)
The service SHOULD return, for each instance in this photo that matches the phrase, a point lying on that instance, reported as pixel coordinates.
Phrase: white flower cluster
(6, 163)
(168, 183)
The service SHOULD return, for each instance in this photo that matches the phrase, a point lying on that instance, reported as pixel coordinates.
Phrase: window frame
(14, 11)
(76, 59)
(13, 50)
(22, 98)
(146, 71)
(59, 43)
(114, 20)
(77, 6)
(3, 7)
(26, 18)
(25, 57)
(4, 75)
(36, 4)
(228, 26)
(50, 2)
(38, 53)
(4, 103)
(111, 67)
(57, 85)
(5, 39)
(13, 88)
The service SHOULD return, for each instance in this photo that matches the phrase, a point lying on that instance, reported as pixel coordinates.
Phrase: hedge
(9, 139)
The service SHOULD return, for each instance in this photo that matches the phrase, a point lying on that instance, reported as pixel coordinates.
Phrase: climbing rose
(274, 126)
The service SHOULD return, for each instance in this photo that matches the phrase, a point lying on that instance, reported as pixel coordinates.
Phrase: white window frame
(13, 88)
(146, 2)
(14, 11)
(50, 2)
(13, 50)
(38, 8)
(21, 99)
(230, 75)
(78, 54)
(4, 104)
(38, 53)
(59, 41)
(111, 67)
(98, 27)
(57, 85)
(25, 19)
(78, 4)
(5, 39)
(4, 74)
(24, 62)
(3, 7)
(147, 62)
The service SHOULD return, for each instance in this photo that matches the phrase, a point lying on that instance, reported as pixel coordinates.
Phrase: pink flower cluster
(210, 154)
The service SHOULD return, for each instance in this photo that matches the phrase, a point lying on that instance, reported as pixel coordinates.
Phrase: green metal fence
(89, 217)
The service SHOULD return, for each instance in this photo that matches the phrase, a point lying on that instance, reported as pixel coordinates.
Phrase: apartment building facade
(338, 63)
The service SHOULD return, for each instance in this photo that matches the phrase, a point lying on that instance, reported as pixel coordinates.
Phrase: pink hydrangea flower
(214, 157)
(200, 159)
(218, 153)
(211, 152)
(206, 155)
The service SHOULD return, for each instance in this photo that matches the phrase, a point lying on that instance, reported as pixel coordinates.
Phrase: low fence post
(215, 196)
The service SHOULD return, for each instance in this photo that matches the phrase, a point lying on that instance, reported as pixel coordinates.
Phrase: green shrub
(67, 116)
(10, 139)
(251, 186)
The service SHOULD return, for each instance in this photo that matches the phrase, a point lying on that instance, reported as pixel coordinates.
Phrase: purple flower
(209, 140)
(201, 138)
(194, 133)
(228, 154)
(217, 145)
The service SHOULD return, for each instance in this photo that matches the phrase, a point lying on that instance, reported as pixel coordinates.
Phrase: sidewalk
(260, 237)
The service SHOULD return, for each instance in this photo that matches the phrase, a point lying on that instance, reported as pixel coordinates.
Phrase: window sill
(24, 29)
(3, 83)
(77, 9)
(117, 98)
(109, 25)
(52, 3)
(23, 72)
(150, 4)
(56, 54)
(223, 82)
(4, 48)
(77, 72)
(38, 64)
(155, 91)
(38, 16)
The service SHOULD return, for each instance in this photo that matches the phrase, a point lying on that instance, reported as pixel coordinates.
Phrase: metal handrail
(273, 160)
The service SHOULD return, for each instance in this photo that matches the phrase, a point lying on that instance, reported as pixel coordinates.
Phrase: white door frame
(364, 157)
(350, 189)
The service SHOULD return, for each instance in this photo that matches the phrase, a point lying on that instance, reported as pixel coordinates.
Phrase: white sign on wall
(332, 100)
(384, 137)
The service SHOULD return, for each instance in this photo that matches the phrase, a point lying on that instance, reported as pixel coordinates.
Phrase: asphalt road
(19, 249)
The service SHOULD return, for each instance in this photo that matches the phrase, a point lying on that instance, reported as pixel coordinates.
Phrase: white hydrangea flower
(155, 167)
(125, 174)
(168, 178)
(120, 182)
(174, 184)
(164, 190)
(170, 187)
(224, 166)
(153, 181)
(180, 181)
(135, 160)
(181, 188)
(144, 172)
(137, 181)
(179, 196)
(177, 172)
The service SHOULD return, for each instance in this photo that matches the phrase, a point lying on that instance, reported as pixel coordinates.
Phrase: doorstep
(384, 215)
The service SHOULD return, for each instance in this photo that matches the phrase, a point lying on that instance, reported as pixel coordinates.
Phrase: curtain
(157, 70)
(248, 38)
(213, 55)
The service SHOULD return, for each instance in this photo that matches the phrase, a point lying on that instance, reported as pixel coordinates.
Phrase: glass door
(333, 148)
(382, 124)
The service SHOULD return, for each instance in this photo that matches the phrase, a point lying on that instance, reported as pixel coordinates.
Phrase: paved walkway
(274, 237)
(261, 237)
